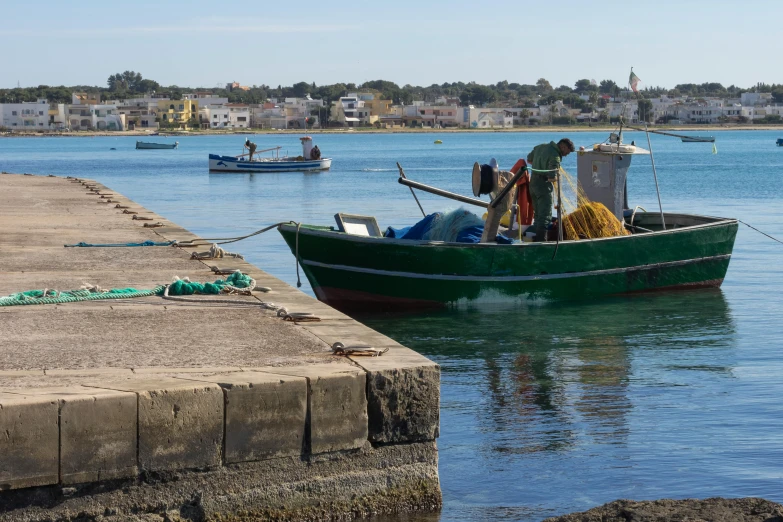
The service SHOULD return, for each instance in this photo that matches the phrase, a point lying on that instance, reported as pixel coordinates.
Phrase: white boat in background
(148, 145)
(310, 160)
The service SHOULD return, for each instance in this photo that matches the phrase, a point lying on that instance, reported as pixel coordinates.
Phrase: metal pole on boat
(559, 209)
(559, 217)
(655, 175)
(402, 175)
(439, 192)
(512, 183)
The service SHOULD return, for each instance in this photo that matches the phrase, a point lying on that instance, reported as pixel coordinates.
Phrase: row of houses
(363, 109)
(152, 112)
(82, 113)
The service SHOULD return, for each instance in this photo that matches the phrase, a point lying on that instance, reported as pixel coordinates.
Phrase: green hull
(353, 272)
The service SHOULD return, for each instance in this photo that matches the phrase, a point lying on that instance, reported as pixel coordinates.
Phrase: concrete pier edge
(306, 436)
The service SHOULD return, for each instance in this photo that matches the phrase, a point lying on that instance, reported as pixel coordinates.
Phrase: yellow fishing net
(582, 218)
(585, 219)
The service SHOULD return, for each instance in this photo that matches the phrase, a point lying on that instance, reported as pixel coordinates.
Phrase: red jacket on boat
(524, 200)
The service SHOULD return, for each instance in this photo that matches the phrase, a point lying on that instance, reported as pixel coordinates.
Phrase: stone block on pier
(266, 415)
(180, 422)
(28, 441)
(337, 405)
(403, 394)
(97, 432)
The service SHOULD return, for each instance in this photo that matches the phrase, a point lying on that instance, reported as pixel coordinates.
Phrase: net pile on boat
(585, 219)
(591, 220)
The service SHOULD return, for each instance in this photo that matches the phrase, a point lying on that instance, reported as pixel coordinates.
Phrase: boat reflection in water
(560, 375)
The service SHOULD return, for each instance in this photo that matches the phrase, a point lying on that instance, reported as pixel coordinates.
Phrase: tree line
(130, 84)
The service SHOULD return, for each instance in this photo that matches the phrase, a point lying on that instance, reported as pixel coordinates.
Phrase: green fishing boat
(352, 267)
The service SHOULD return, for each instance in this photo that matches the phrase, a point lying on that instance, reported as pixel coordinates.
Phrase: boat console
(602, 172)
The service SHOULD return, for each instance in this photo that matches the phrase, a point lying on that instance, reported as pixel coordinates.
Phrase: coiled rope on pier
(235, 283)
(86, 293)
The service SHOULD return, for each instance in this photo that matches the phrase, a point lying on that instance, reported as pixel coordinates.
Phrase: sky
(208, 44)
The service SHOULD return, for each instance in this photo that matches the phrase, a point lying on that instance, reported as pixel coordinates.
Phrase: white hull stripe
(508, 279)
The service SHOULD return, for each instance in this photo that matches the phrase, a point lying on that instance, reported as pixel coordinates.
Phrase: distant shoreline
(538, 128)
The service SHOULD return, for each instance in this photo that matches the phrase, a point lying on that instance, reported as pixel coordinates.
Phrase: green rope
(142, 244)
(184, 287)
(33, 297)
(178, 287)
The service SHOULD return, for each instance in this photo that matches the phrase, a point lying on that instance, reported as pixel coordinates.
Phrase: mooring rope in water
(296, 255)
(226, 240)
(760, 232)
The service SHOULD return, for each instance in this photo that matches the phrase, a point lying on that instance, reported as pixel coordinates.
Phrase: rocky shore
(689, 510)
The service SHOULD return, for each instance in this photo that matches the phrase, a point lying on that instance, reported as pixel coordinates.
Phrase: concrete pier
(208, 408)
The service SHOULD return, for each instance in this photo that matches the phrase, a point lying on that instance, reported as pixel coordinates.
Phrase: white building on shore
(213, 117)
(25, 116)
(755, 98)
(205, 98)
(349, 111)
(238, 115)
(269, 115)
(297, 109)
(435, 116)
(227, 116)
(95, 117)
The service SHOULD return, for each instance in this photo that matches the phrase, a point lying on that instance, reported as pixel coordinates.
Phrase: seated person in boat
(251, 147)
(545, 161)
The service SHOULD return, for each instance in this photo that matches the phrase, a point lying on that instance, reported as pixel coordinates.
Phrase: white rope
(296, 255)
(224, 240)
(215, 252)
(339, 348)
(297, 317)
(94, 288)
(633, 214)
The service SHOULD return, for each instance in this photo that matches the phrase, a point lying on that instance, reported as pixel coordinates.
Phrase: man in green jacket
(251, 147)
(545, 161)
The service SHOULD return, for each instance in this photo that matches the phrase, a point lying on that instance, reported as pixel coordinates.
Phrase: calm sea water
(548, 408)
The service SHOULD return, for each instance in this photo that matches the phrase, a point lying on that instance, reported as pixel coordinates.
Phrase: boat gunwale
(343, 236)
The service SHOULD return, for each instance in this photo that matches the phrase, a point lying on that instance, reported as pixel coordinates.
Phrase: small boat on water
(355, 267)
(310, 160)
(698, 139)
(149, 145)
(780, 142)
